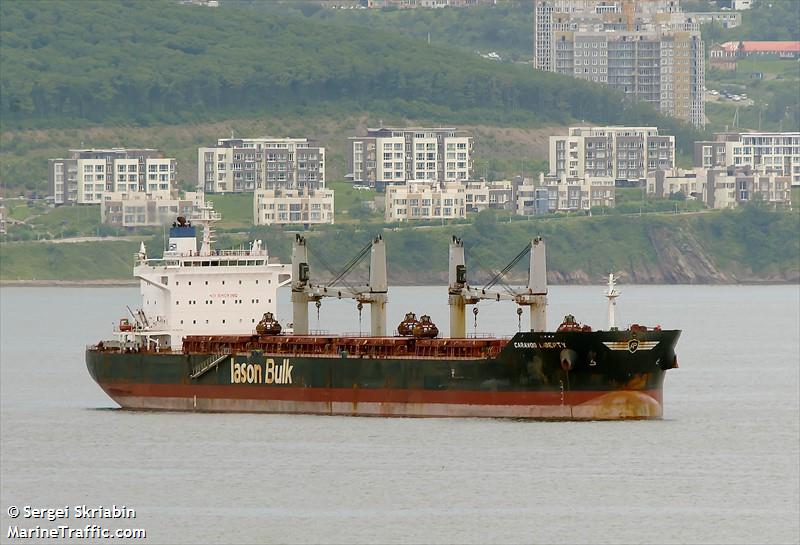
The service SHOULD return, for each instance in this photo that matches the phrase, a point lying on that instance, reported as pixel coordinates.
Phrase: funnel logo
(633, 345)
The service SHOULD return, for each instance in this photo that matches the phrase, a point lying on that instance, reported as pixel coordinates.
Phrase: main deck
(333, 346)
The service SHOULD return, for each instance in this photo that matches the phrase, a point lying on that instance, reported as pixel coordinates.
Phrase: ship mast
(612, 295)
(533, 295)
(207, 216)
(375, 293)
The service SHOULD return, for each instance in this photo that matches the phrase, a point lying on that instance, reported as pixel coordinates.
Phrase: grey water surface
(723, 466)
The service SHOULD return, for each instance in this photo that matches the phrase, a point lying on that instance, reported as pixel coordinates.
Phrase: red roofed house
(787, 50)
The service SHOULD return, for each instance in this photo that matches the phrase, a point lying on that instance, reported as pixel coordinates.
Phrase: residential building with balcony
(777, 152)
(412, 4)
(389, 155)
(293, 206)
(87, 174)
(573, 194)
(624, 154)
(726, 19)
(242, 165)
(420, 200)
(125, 209)
(650, 51)
(723, 187)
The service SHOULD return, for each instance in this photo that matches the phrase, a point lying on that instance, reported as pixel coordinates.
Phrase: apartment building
(778, 152)
(625, 154)
(411, 4)
(650, 51)
(425, 200)
(735, 4)
(521, 196)
(736, 185)
(480, 195)
(665, 183)
(389, 155)
(572, 194)
(242, 165)
(123, 209)
(87, 174)
(299, 206)
(726, 19)
(723, 187)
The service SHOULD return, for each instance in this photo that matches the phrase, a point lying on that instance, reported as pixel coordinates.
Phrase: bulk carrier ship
(206, 338)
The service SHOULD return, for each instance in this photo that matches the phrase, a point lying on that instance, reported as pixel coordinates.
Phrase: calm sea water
(722, 467)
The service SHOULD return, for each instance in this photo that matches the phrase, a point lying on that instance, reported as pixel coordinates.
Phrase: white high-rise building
(242, 165)
(621, 153)
(777, 152)
(388, 155)
(87, 174)
(649, 50)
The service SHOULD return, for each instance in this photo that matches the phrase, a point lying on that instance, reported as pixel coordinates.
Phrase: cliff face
(682, 259)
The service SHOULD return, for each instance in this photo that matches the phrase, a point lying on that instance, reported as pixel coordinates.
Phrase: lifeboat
(425, 329)
(406, 327)
(125, 325)
(570, 324)
(268, 325)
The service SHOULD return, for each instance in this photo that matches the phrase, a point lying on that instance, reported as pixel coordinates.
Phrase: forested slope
(748, 245)
(120, 61)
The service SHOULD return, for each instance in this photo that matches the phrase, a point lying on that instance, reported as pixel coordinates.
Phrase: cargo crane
(534, 295)
(375, 293)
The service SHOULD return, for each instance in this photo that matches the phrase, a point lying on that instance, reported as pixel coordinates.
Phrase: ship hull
(548, 376)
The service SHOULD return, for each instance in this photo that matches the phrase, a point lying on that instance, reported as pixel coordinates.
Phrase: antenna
(612, 295)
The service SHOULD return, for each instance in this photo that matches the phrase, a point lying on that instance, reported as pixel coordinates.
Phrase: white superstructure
(206, 291)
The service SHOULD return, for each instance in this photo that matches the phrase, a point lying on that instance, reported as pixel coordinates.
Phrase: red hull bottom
(601, 405)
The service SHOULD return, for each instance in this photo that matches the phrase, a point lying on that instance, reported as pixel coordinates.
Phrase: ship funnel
(182, 238)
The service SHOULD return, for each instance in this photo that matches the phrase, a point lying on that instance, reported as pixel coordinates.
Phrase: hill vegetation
(68, 63)
(770, 20)
(748, 245)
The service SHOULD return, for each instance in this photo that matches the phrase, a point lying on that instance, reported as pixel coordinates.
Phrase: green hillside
(747, 245)
(69, 63)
